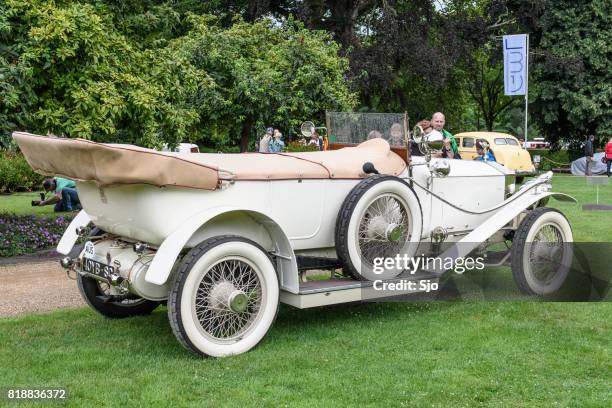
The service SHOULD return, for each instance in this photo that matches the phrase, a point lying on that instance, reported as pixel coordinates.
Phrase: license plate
(97, 268)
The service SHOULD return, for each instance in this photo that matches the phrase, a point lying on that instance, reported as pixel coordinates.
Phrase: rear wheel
(225, 297)
(94, 292)
(542, 254)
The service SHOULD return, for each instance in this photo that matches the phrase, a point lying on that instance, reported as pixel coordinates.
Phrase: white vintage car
(222, 238)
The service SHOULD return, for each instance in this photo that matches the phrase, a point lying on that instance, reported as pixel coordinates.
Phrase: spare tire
(380, 218)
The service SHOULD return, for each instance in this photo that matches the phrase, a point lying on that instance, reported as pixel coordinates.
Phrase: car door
(467, 148)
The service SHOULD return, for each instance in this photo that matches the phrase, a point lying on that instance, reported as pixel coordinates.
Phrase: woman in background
(608, 156)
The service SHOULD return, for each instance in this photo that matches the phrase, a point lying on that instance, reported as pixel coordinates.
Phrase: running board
(344, 290)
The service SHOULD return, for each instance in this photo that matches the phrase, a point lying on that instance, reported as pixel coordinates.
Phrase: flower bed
(24, 234)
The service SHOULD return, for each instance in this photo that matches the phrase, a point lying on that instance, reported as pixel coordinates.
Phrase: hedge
(16, 174)
(550, 159)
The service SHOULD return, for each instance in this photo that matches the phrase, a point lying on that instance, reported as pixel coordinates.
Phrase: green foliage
(571, 73)
(16, 174)
(299, 146)
(484, 82)
(264, 73)
(552, 159)
(90, 81)
(143, 73)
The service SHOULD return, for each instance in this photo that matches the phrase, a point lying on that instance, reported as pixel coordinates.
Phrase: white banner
(515, 64)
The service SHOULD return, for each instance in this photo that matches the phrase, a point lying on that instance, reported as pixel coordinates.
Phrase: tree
(79, 77)
(485, 84)
(81, 70)
(571, 44)
(265, 73)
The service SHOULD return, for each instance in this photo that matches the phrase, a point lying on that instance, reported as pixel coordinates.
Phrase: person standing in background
(315, 140)
(608, 156)
(588, 153)
(264, 143)
(276, 144)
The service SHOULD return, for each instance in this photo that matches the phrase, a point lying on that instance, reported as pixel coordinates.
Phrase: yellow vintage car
(506, 149)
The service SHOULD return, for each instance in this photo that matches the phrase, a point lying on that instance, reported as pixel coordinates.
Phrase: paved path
(36, 287)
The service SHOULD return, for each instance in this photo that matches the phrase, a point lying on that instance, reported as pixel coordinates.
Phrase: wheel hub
(376, 228)
(393, 232)
(379, 229)
(225, 296)
(238, 301)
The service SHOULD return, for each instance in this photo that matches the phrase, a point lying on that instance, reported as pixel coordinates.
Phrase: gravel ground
(36, 287)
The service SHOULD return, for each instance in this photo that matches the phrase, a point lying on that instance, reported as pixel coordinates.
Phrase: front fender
(494, 223)
(169, 250)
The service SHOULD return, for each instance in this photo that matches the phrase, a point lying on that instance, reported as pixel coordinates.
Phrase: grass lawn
(392, 354)
(19, 203)
(588, 226)
(388, 354)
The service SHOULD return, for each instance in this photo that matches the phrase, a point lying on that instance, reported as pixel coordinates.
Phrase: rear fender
(70, 236)
(218, 221)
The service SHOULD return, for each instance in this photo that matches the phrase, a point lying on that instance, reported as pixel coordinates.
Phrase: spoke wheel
(380, 218)
(546, 253)
(225, 297)
(228, 300)
(384, 228)
(542, 254)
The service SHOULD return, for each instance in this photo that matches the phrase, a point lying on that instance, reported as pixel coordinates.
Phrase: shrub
(23, 234)
(298, 146)
(551, 159)
(16, 174)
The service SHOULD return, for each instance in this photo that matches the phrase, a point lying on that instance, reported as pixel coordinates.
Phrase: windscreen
(354, 127)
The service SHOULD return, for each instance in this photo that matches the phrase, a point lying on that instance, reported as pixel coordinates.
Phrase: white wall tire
(381, 217)
(542, 253)
(225, 297)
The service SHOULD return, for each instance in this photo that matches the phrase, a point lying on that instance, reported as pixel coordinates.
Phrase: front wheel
(542, 252)
(225, 297)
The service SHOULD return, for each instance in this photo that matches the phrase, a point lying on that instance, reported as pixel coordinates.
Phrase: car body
(182, 148)
(536, 143)
(505, 147)
(222, 238)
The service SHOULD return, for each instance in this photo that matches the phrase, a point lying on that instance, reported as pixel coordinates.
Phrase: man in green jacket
(438, 121)
(65, 197)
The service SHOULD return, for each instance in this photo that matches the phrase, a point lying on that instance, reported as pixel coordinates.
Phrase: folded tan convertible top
(109, 164)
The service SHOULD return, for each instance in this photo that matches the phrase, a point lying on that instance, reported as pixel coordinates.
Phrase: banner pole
(526, 85)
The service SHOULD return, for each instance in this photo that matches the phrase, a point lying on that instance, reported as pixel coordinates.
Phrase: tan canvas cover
(345, 163)
(108, 164)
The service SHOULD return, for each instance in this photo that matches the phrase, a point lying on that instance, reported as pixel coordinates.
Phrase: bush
(298, 146)
(551, 159)
(23, 234)
(16, 174)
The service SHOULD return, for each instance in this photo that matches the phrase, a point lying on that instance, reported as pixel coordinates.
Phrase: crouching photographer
(65, 198)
